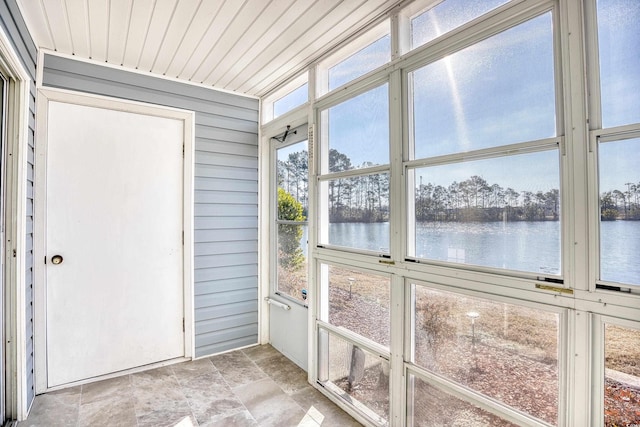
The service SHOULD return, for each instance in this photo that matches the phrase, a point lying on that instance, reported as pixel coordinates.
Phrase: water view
(532, 246)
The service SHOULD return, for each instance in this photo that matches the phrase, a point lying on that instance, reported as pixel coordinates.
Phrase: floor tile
(237, 369)
(209, 397)
(186, 371)
(332, 415)
(58, 408)
(97, 391)
(239, 419)
(269, 405)
(260, 352)
(114, 410)
(284, 372)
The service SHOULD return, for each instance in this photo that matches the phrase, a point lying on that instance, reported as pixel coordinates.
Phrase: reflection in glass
(619, 186)
(502, 212)
(290, 101)
(498, 91)
(618, 41)
(359, 131)
(432, 407)
(354, 374)
(622, 376)
(358, 212)
(367, 59)
(359, 302)
(446, 16)
(505, 351)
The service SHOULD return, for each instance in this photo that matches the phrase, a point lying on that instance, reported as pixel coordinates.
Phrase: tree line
(365, 198)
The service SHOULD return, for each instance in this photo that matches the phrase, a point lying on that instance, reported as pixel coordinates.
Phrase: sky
(499, 91)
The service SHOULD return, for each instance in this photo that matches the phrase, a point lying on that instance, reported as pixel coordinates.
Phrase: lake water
(522, 246)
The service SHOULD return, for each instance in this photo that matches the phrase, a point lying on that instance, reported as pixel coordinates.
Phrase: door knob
(57, 259)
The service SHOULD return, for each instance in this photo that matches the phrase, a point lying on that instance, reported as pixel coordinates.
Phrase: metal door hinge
(183, 324)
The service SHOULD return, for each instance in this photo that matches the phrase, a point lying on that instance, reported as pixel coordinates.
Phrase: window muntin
(293, 99)
(621, 376)
(357, 301)
(618, 41)
(291, 220)
(431, 406)
(357, 212)
(506, 351)
(360, 63)
(361, 377)
(501, 212)
(499, 91)
(358, 131)
(446, 16)
(619, 187)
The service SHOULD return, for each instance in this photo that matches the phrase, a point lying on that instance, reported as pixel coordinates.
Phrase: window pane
(502, 212)
(446, 16)
(432, 407)
(496, 92)
(290, 101)
(292, 261)
(356, 375)
(359, 302)
(618, 40)
(620, 211)
(622, 376)
(505, 351)
(358, 212)
(292, 173)
(293, 179)
(359, 131)
(360, 63)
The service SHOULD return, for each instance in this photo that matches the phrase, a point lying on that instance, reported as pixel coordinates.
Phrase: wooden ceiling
(245, 46)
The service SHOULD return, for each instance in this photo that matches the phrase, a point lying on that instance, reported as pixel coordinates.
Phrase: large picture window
(493, 101)
(354, 181)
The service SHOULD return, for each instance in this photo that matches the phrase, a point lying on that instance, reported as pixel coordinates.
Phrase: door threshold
(119, 374)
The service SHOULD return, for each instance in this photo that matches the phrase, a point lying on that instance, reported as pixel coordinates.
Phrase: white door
(114, 190)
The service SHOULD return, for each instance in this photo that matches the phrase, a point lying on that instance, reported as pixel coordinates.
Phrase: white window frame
(268, 103)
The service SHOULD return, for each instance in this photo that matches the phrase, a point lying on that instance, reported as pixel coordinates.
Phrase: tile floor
(257, 386)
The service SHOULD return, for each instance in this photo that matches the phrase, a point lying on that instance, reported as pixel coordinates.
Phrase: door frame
(13, 321)
(44, 96)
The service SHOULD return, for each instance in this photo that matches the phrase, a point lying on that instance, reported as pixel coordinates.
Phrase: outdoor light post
(351, 280)
(473, 315)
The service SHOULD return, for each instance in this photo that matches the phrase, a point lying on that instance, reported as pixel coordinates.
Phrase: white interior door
(114, 214)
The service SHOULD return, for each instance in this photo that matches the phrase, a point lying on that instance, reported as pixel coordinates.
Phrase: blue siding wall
(16, 30)
(226, 192)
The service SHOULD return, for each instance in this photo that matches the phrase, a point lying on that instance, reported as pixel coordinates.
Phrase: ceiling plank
(138, 28)
(98, 29)
(244, 19)
(194, 35)
(300, 13)
(118, 30)
(279, 11)
(215, 30)
(182, 19)
(160, 20)
(78, 13)
(58, 25)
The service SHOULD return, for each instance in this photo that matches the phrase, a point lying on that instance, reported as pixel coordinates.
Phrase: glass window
(358, 212)
(432, 407)
(499, 91)
(357, 301)
(622, 376)
(358, 131)
(358, 376)
(360, 63)
(292, 211)
(619, 187)
(618, 41)
(501, 212)
(290, 101)
(446, 16)
(505, 351)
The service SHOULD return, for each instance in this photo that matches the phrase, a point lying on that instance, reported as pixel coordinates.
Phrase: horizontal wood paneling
(226, 192)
